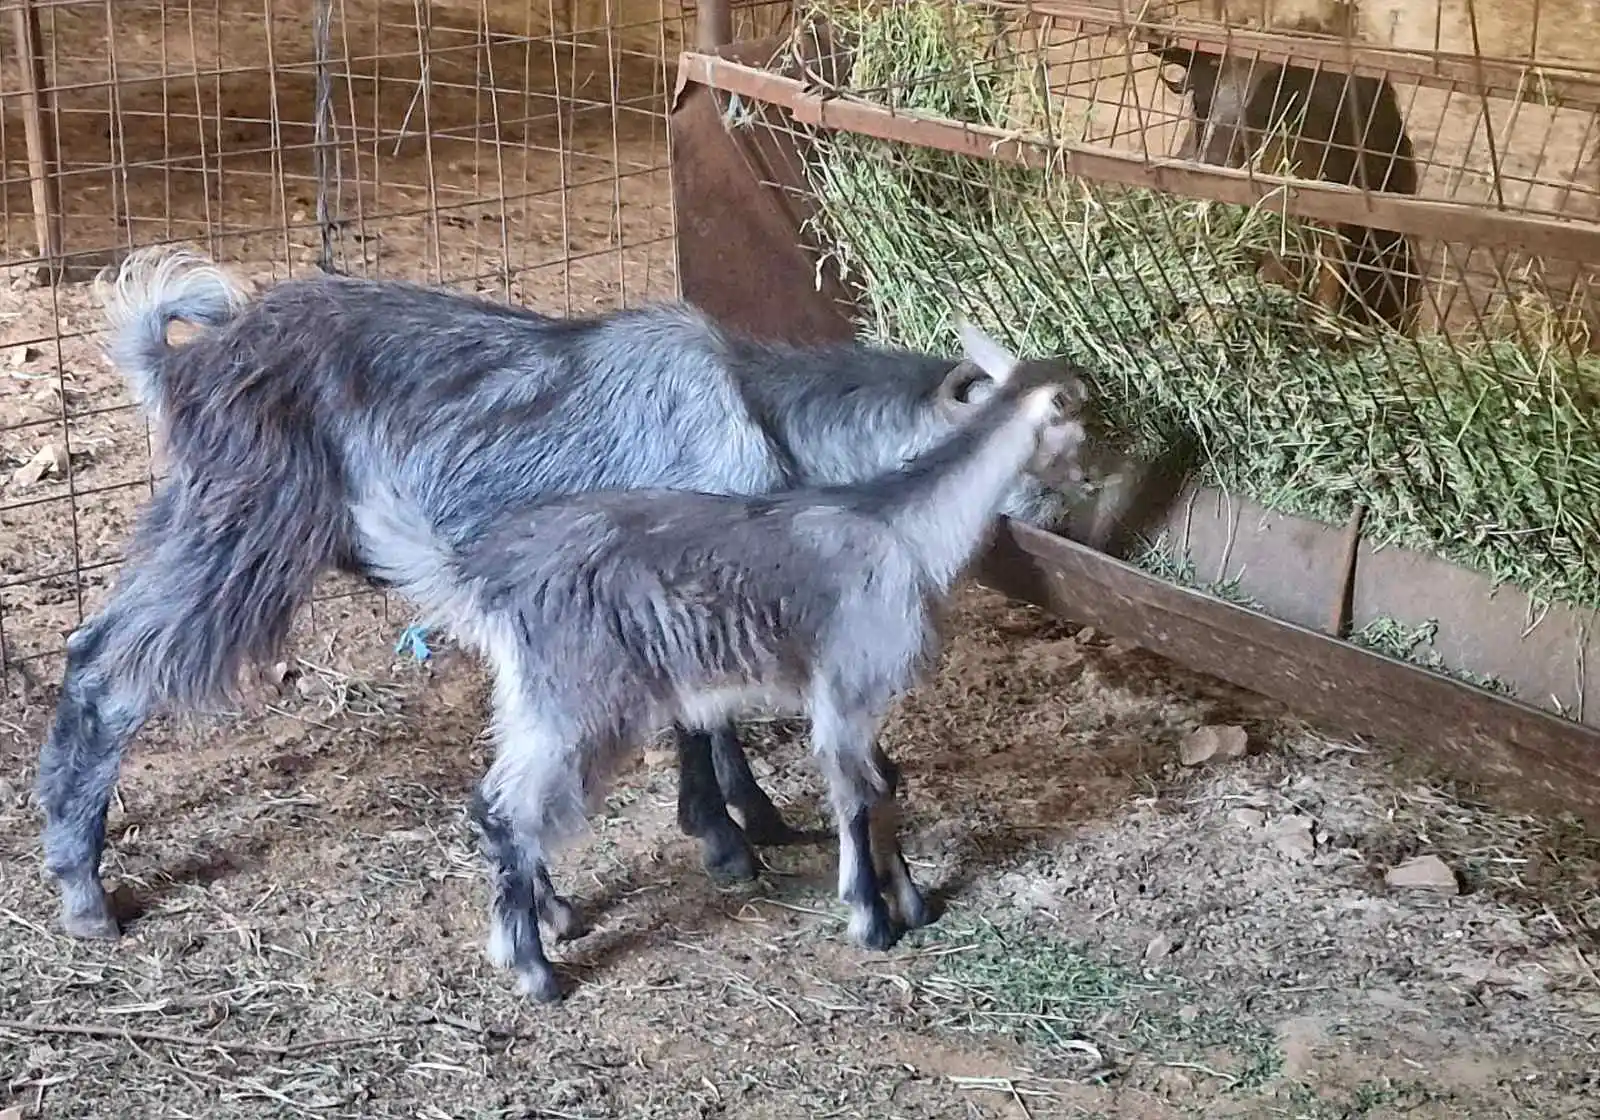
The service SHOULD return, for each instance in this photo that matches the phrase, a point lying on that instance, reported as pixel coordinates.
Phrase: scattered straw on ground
(1120, 936)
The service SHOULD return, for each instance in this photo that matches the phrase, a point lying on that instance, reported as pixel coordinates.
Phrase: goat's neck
(945, 504)
(838, 439)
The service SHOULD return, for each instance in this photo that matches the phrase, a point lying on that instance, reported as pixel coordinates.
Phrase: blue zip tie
(414, 641)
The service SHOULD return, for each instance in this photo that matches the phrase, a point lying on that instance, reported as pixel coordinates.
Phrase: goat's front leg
(763, 824)
(703, 814)
(520, 894)
(859, 885)
(846, 747)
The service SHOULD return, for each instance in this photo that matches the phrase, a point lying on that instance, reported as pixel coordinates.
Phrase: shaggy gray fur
(291, 406)
(607, 616)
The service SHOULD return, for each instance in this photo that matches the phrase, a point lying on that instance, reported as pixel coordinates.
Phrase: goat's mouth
(1079, 474)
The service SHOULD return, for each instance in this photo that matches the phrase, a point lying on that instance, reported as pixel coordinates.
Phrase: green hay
(1479, 450)
(1060, 995)
(1394, 638)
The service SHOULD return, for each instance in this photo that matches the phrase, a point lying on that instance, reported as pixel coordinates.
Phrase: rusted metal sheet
(743, 264)
(1528, 757)
(739, 208)
(1328, 202)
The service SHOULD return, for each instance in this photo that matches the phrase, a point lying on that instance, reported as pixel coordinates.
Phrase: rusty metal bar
(1321, 201)
(1573, 86)
(40, 136)
(1345, 593)
(325, 153)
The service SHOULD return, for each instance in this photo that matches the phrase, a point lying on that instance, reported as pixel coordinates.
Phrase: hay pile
(1480, 450)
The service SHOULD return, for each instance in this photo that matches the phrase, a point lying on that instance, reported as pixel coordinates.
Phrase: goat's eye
(1062, 402)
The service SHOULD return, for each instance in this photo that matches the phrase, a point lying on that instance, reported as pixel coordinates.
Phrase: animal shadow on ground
(1028, 729)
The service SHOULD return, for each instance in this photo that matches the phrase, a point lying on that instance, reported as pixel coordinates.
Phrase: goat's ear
(966, 384)
(985, 353)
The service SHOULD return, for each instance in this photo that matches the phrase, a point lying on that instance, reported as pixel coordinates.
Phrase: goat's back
(470, 407)
(474, 404)
(687, 593)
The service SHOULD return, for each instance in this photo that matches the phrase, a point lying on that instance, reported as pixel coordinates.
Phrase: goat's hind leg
(763, 824)
(703, 814)
(97, 716)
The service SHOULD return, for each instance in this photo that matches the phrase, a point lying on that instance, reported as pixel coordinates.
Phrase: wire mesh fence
(519, 151)
(1347, 259)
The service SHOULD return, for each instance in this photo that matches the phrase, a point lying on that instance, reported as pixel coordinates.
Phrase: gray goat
(289, 406)
(607, 616)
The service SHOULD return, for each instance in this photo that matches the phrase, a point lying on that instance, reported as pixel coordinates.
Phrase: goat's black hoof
(541, 985)
(727, 858)
(872, 928)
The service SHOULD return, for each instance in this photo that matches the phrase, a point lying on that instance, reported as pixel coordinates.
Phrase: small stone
(56, 396)
(49, 459)
(1188, 1013)
(1159, 947)
(22, 355)
(1248, 818)
(1085, 636)
(1292, 837)
(1424, 873)
(280, 674)
(1213, 741)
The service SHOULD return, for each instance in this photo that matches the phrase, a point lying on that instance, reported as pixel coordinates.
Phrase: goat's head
(1051, 391)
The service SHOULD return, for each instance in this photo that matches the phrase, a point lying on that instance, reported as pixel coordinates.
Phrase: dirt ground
(1121, 935)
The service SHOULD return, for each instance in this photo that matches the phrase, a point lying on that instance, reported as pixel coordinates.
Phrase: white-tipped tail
(152, 289)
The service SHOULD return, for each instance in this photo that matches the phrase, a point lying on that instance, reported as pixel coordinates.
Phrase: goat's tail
(152, 289)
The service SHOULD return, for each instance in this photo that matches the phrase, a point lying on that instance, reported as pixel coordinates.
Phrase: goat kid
(283, 410)
(607, 616)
